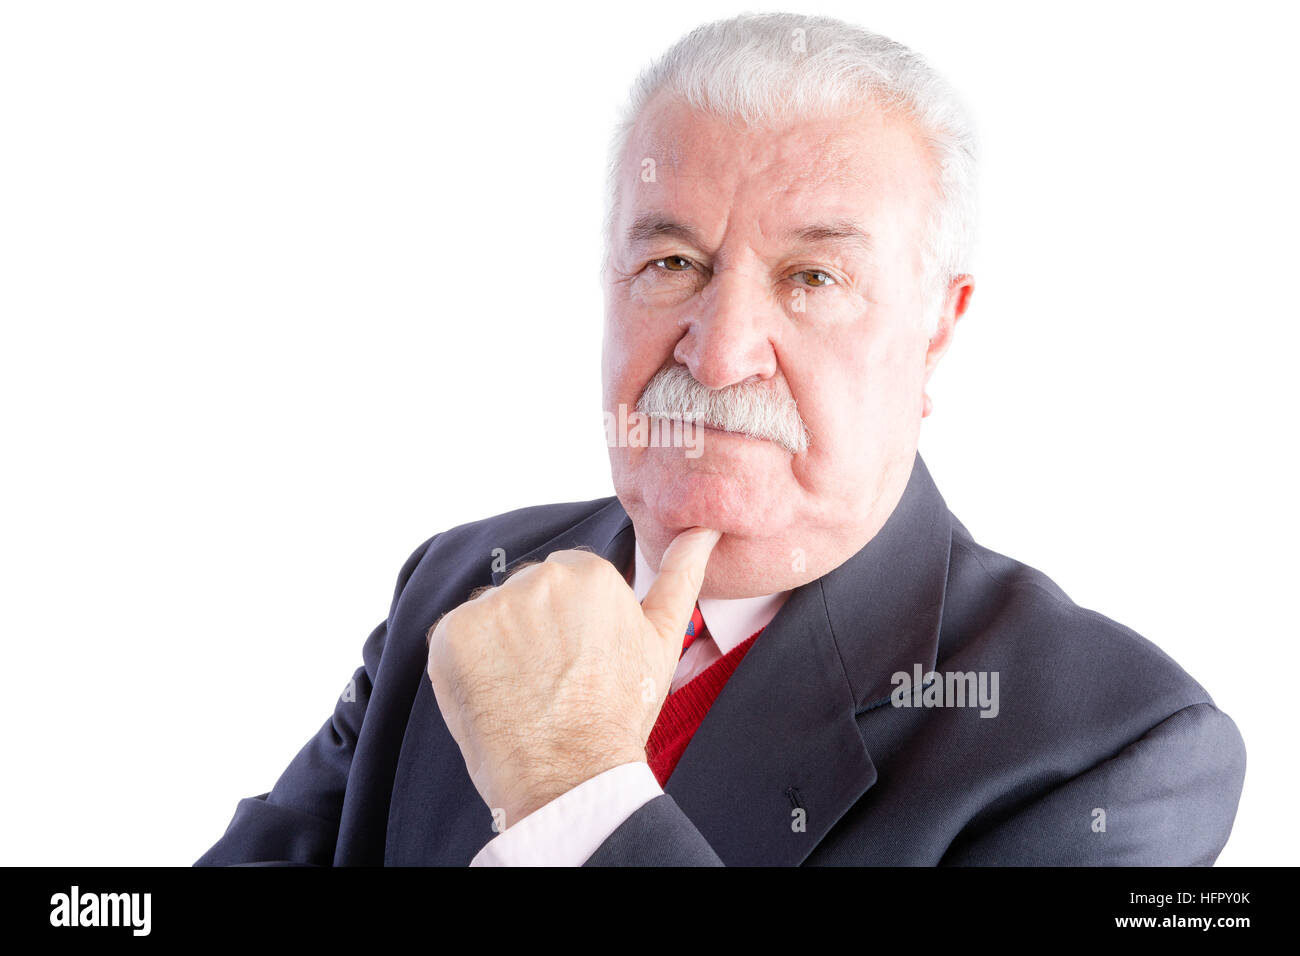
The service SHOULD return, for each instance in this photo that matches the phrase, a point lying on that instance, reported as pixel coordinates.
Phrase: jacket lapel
(779, 757)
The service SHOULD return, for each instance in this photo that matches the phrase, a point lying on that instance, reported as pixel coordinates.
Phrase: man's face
(785, 258)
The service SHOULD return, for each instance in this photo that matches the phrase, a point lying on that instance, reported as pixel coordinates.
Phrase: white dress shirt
(569, 829)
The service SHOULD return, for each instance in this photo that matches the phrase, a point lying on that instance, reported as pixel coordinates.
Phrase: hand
(558, 674)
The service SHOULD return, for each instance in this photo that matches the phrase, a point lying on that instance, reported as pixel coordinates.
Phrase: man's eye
(814, 278)
(673, 263)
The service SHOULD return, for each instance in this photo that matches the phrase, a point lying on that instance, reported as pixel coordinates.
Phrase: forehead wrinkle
(772, 167)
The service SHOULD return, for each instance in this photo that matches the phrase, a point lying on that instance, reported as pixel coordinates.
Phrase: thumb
(671, 599)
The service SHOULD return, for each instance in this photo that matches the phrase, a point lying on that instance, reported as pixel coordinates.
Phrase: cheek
(829, 379)
(857, 395)
(636, 345)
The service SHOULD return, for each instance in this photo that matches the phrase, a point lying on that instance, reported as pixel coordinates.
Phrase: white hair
(763, 68)
(748, 408)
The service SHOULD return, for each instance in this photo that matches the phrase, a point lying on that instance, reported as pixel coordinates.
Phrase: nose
(727, 336)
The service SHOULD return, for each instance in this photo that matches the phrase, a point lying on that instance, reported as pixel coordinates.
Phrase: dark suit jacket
(1103, 750)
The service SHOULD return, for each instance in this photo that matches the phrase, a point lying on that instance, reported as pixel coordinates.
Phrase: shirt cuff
(569, 829)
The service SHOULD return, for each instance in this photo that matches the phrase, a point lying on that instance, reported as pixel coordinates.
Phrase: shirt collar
(730, 621)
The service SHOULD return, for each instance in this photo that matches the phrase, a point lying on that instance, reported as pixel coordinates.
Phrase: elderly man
(776, 645)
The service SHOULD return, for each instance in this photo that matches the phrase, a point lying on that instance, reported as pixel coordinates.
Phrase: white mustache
(749, 409)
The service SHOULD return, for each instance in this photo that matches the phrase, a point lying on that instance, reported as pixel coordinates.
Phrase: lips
(715, 429)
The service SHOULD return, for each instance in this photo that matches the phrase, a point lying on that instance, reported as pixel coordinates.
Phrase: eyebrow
(651, 226)
(837, 231)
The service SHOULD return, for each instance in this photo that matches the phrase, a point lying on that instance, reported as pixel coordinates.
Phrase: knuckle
(549, 572)
(429, 634)
(611, 575)
(518, 569)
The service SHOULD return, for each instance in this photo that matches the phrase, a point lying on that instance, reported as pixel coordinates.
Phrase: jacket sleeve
(1167, 799)
(296, 823)
(658, 834)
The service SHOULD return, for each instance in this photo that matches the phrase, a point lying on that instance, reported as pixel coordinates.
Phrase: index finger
(671, 599)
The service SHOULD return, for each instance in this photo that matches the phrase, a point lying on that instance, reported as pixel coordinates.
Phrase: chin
(736, 525)
(743, 569)
(734, 504)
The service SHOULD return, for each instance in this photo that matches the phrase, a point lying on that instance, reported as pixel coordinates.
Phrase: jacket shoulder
(516, 532)
(1063, 658)
(1092, 715)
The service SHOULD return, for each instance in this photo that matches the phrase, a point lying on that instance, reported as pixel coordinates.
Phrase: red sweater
(685, 708)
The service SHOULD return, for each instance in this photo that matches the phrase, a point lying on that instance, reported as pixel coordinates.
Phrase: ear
(955, 304)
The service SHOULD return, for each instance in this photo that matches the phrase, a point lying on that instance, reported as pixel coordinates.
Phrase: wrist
(526, 796)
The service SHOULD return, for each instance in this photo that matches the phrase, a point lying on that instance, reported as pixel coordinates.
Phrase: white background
(285, 288)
